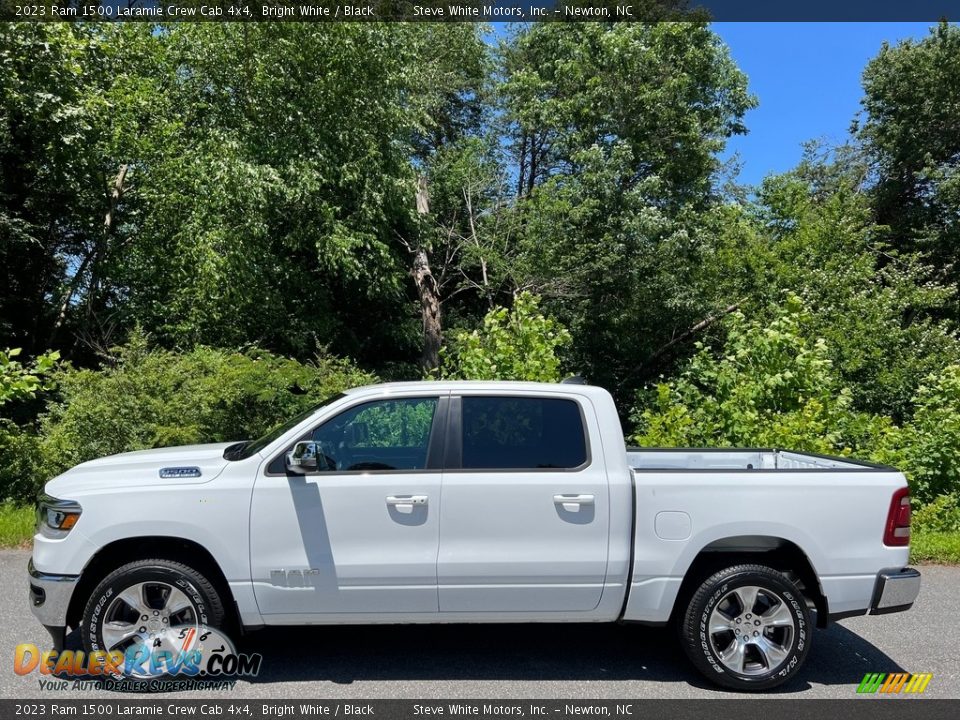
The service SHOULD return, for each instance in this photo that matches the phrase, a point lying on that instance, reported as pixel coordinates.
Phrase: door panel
(526, 539)
(359, 540)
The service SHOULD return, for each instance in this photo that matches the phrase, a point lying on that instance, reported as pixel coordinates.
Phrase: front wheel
(747, 628)
(141, 603)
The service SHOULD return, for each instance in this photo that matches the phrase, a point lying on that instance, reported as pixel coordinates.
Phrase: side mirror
(303, 456)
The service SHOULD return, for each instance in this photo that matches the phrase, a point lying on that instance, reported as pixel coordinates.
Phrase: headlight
(55, 517)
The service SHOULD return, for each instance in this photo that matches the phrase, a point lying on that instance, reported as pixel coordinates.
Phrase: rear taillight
(898, 519)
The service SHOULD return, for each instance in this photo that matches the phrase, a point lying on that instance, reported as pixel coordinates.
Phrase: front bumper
(895, 591)
(50, 599)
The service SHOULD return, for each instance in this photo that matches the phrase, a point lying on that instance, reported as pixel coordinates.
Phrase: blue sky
(806, 77)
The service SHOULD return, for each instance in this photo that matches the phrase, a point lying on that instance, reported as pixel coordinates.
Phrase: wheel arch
(776, 552)
(119, 552)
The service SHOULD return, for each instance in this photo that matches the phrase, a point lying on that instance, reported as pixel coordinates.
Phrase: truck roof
(487, 385)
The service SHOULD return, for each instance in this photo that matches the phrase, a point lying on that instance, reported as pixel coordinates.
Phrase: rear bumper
(50, 597)
(895, 591)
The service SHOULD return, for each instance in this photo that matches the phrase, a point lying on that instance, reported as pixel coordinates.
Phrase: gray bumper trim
(50, 596)
(895, 591)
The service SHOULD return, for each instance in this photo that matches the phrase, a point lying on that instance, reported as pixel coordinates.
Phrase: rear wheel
(747, 628)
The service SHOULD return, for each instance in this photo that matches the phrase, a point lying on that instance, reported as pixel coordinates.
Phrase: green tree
(271, 200)
(19, 448)
(811, 232)
(450, 161)
(53, 195)
(613, 131)
(517, 344)
(911, 131)
(281, 206)
(770, 385)
(173, 177)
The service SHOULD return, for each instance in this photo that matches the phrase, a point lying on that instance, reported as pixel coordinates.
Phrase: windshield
(243, 450)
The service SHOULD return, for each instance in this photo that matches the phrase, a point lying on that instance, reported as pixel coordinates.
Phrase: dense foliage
(19, 382)
(929, 446)
(614, 135)
(911, 133)
(152, 398)
(769, 385)
(149, 397)
(19, 447)
(519, 344)
(420, 198)
(885, 314)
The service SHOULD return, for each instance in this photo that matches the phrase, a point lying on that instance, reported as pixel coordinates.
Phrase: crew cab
(475, 502)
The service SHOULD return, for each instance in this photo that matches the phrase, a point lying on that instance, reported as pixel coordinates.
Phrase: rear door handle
(572, 503)
(406, 503)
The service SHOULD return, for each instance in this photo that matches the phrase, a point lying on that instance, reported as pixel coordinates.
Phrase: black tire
(776, 643)
(205, 604)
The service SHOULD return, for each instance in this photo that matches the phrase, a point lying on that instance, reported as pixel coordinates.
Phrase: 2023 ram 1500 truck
(493, 502)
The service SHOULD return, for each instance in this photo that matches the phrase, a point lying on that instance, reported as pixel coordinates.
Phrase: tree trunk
(522, 175)
(532, 169)
(115, 194)
(429, 310)
(91, 259)
(427, 290)
(484, 277)
(113, 199)
(68, 298)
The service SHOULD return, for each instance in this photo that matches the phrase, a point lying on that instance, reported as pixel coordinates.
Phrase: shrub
(153, 398)
(20, 463)
(19, 446)
(942, 514)
(768, 386)
(20, 382)
(929, 447)
(517, 344)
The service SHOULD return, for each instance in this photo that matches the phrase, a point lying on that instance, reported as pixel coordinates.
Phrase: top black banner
(159, 11)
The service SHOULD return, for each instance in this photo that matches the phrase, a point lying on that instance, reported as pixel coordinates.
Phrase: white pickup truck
(494, 502)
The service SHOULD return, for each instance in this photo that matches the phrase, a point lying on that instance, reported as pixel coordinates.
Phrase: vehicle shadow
(533, 652)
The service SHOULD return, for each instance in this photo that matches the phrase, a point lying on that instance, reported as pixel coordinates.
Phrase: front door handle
(572, 503)
(406, 503)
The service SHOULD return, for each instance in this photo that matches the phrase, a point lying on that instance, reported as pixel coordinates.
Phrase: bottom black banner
(867, 708)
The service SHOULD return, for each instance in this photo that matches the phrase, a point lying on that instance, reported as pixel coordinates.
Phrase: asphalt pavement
(532, 661)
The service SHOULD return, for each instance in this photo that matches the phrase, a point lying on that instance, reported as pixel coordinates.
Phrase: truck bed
(688, 501)
(720, 459)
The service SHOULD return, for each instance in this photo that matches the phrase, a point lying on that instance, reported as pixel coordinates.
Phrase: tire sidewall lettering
(791, 599)
(95, 622)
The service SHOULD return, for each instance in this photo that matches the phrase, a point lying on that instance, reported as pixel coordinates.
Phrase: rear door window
(522, 433)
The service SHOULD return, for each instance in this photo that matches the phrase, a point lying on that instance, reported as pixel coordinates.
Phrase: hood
(142, 467)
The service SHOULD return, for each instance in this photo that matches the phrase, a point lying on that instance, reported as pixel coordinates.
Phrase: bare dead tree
(427, 289)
